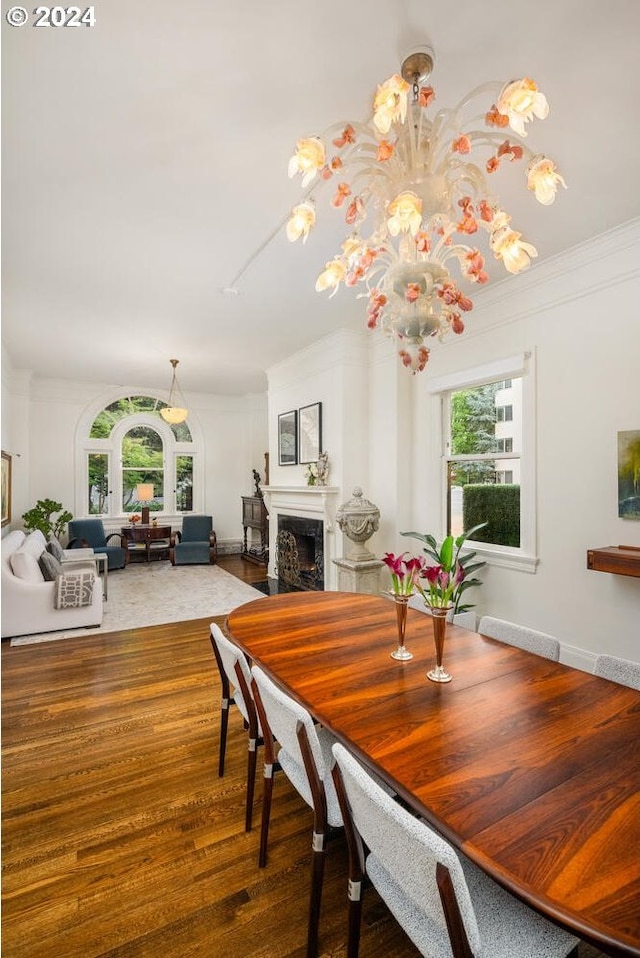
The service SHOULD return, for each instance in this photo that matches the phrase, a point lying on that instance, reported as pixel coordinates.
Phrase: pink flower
(431, 573)
(404, 572)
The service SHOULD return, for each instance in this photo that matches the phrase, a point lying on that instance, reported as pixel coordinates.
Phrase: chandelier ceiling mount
(417, 66)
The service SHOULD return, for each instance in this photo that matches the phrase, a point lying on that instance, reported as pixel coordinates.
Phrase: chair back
(196, 528)
(229, 656)
(280, 721)
(539, 643)
(404, 849)
(90, 530)
(622, 671)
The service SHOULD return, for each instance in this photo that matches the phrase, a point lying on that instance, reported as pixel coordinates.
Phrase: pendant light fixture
(175, 412)
(415, 189)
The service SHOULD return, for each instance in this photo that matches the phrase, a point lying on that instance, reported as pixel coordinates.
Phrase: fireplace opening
(300, 553)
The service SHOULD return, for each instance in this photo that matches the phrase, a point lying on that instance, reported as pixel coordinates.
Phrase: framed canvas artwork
(6, 488)
(629, 474)
(310, 432)
(288, 438)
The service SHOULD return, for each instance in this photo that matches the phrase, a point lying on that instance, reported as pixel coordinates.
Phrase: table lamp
(144, 493)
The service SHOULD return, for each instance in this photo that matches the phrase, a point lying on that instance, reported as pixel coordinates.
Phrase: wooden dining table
(529, 767)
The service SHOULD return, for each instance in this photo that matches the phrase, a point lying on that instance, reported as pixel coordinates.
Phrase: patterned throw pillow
(54, 547)
(49, 566)
(74, 590)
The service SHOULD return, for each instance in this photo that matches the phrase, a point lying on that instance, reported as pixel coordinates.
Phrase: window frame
(112, 447)
(521, 366)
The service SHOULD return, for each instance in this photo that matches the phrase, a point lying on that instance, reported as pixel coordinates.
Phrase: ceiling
(145, 162)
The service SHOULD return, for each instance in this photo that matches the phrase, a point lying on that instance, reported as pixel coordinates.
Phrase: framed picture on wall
(310, 432)
(628, 472)
(6, 488)
(288, 438)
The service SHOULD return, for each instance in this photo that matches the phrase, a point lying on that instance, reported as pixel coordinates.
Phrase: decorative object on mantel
(404, 573)
(175, 413)
(446, 582)
(359, 571)
(317, 473)
(629, 474)
(323, 469)
(421, 186)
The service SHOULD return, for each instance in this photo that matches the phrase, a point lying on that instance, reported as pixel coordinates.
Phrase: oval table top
(528, 766)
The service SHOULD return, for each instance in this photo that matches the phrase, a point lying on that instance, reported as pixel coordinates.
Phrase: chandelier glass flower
(414, 190)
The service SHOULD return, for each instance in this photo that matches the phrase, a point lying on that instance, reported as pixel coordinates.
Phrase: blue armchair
(196, 544)
(90, 534)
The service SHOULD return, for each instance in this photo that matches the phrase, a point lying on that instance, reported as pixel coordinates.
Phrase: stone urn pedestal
(359, 570)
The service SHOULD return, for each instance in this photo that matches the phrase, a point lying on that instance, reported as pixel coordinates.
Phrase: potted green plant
(450, 574)
(42, 517)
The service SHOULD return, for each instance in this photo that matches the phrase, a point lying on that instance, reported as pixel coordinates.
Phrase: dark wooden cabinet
(254, 518)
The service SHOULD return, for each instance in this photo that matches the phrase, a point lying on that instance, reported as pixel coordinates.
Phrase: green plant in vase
(451, 574)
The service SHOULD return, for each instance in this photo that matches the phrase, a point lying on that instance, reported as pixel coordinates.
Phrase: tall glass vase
(402, 603)
(439, 618)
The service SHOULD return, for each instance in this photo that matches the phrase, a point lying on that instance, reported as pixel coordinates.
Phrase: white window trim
(112, 446)
(522, 365)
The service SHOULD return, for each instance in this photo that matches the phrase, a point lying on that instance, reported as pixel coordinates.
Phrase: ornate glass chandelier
(420, 187)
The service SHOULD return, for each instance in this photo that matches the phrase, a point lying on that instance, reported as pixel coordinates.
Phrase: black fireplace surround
(300, 553)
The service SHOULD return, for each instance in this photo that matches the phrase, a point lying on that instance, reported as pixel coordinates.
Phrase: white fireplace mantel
(314, 502)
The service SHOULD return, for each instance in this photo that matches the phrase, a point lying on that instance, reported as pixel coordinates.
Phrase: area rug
(155, 593)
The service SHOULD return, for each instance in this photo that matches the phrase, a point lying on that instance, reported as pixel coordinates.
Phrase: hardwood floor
(119, 839)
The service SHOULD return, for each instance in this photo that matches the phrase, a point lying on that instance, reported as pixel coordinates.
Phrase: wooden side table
(151, 540)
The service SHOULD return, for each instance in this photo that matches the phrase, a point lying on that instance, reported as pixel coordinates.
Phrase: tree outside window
(142, 461)
(481, 463)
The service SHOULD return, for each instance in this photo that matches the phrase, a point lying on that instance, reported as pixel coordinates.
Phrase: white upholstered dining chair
(304, 755)
(445, 904)
(235, 678)
(622, 671)
(519, 635)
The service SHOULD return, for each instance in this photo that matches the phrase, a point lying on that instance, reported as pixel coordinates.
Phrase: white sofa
(28, 601)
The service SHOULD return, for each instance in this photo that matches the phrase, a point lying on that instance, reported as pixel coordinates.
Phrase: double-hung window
(487, 457)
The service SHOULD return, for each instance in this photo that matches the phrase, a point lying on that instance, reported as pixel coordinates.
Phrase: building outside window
(488, 437)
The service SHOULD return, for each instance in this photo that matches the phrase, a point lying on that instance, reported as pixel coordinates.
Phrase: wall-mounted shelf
(620, 560)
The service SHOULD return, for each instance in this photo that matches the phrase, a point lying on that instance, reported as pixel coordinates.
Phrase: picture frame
(310, 432)
(6, 488)
(288, 438)
(628, 466)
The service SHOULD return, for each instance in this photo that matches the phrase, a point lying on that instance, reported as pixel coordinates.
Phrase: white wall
(45, 413)
(578, 314)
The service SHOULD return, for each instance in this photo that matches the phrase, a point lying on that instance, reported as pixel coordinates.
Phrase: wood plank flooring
(119, 840)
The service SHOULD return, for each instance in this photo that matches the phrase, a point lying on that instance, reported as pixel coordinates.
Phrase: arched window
(128, 443)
